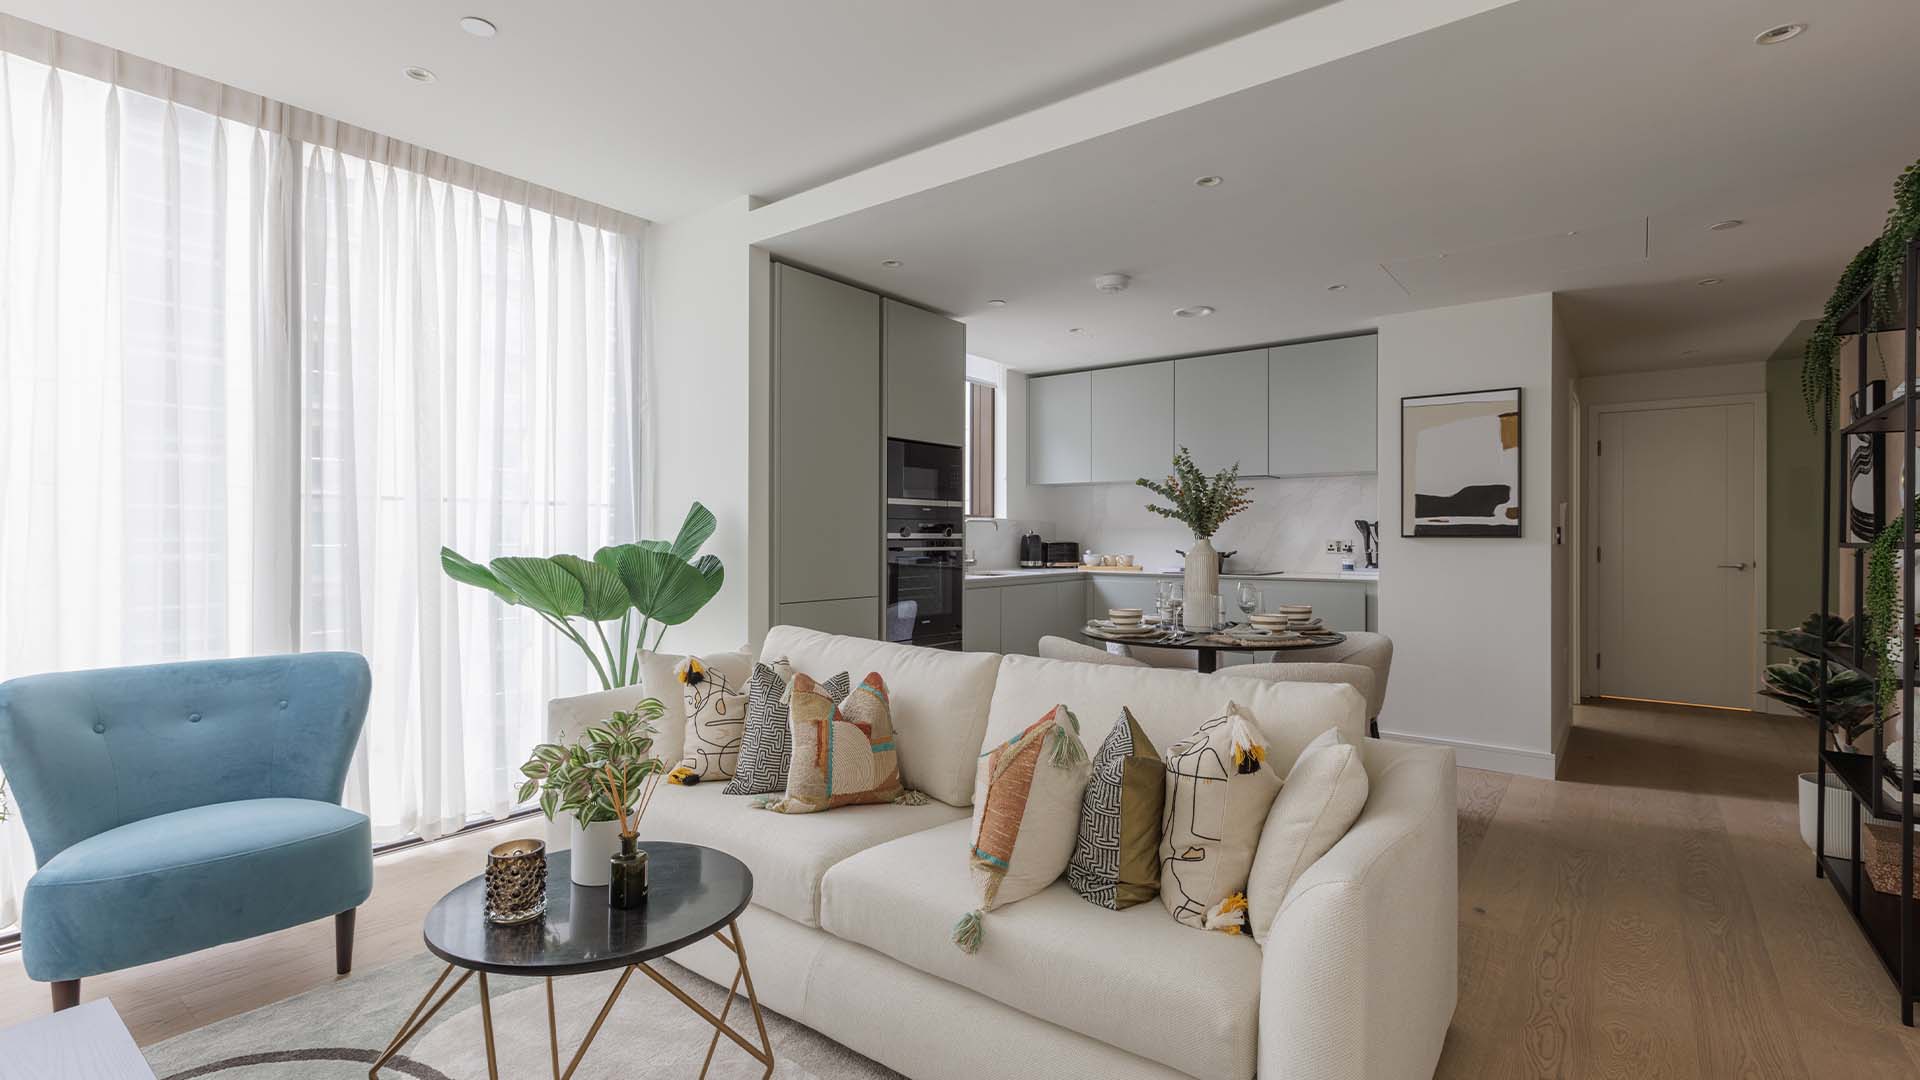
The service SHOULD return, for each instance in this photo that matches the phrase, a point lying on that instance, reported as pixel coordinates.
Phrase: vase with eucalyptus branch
(595, 601)
(1202, 503)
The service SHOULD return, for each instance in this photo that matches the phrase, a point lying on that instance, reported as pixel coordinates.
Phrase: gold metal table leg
(415, 1021)
(486, 1027)
(553, 1030)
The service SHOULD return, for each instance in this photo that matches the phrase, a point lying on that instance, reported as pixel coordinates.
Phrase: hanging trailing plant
(1882, 593)
(1878, 267)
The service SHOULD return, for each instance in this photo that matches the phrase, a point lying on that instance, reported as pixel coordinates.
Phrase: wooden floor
(1652, 914)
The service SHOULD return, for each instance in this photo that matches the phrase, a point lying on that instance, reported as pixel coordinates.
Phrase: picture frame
(1863, 468)
(1460, 465)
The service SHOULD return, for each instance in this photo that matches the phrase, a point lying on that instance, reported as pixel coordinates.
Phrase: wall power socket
(1339, 547)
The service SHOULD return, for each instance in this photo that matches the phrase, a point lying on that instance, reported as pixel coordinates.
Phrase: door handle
(1733, 566)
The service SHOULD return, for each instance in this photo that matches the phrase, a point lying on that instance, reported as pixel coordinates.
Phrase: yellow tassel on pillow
(1229, 916)
(682, 775)
(690, 671)
(1249, 753)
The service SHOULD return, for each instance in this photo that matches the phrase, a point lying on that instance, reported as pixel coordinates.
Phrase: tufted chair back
(88, 751)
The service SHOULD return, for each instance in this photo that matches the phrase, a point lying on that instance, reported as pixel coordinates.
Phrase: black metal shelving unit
(1891, 923)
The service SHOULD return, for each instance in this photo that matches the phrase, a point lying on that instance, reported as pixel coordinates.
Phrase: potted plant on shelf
(604, 781)
(1202, 504)
(1849, 715)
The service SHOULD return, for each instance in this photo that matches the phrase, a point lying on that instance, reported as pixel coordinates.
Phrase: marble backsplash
(996, 544)
(1287, 527)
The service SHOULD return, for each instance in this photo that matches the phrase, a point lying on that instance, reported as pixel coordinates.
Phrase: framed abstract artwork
(1866, 485)
(1460, 464)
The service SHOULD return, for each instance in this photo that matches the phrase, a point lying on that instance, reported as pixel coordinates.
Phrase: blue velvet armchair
(176, 807)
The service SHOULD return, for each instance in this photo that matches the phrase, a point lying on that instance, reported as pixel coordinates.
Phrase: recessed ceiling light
(1723, 226)
(1709, 281)
(1571, 232)
(1684, 353)
(1774, 35)
(420, 74)
(892, 264)
(478, 27)
(1197, 311)
(996, 303)
(1076, 330)
(1336, 288)
(1209, 181)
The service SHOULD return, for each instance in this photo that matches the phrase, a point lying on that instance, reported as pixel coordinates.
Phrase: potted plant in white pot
(615, 608)
(603, 781)
(1849, 715)
(1203, 504)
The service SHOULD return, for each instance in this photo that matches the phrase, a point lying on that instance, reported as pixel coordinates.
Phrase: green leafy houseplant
(661, 582)
(1200, 502)
(1882, 593)
(1850, 695)
(608, 774)
(1877, 267)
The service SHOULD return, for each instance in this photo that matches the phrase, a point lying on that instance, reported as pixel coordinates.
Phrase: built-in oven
(925, 474)
(926, 583)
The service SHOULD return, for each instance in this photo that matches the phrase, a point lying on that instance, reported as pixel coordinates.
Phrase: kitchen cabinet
(924, 364)
(980, 620)
(827, 460)
(1220, 410)
(1341, 605)
(1059, 447)
(1108, 591)
(1027, 613)
(858, 617)
(1323, 407)
(1131, 419)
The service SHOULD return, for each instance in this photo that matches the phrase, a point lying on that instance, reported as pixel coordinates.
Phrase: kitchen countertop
(996, 578)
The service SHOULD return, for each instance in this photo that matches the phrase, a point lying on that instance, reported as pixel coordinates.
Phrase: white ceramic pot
(1839, 810)
(593, 847)
(1202, 594)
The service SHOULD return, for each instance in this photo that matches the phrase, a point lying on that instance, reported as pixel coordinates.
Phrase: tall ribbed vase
(1202, 586)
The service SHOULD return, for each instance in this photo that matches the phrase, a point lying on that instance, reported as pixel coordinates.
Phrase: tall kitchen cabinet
(827, 453)
(924, 363)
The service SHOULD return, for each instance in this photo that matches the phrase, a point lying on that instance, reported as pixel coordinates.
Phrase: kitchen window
(980, 470)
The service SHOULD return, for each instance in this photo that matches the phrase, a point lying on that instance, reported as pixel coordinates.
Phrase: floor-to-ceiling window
(257, 367)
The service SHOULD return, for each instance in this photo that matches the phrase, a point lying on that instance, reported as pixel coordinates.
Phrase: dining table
(1207, 645)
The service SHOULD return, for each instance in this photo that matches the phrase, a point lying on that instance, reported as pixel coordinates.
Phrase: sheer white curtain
(256, 368)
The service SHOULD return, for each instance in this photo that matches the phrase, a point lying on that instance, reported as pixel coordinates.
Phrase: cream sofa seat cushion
(1135, 979)
(788, 854)
(1169, 704)
(939, 700)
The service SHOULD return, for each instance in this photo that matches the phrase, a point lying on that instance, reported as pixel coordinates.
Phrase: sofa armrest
(1361, 968)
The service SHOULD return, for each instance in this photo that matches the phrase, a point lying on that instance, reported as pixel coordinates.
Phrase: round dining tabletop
(1209, 646)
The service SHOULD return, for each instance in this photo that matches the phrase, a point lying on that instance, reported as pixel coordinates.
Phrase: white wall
(709, 292)
(1713, 381)
(1476, 623)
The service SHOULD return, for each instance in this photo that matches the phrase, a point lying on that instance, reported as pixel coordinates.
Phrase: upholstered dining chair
(175, 807)
(1363, 648)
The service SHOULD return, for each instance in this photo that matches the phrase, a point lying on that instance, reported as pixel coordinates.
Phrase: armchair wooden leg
(343, 941)
(66, 994)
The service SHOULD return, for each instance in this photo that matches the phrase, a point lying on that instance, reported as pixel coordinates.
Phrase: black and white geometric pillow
(766, 746)
(1115, 861)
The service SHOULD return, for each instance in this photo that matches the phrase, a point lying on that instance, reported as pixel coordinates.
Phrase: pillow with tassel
(716, 694)
(1219, 789)
(1026, 811)
(844, 754)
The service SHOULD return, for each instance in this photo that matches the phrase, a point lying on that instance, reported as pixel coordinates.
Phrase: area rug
(336, 1032)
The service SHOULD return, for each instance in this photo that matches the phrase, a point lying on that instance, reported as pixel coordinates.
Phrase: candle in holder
(516, 881)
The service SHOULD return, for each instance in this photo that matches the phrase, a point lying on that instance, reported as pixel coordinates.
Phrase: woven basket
(1880, 852)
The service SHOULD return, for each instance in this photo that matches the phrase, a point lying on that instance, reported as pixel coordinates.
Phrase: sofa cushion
(787, 854)
(1169, 703)
(192, 879)
(844, 754)
(716, 704)
(1026, 805)
(1219, 789)
(1325, 791)
(766, 744)
(1134, 979)
(1116, 856)
(939, 701)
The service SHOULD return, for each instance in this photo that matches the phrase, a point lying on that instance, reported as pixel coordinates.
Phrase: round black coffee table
(693, 892)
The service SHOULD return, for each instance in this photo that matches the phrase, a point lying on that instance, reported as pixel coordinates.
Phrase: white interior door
(1676, 554)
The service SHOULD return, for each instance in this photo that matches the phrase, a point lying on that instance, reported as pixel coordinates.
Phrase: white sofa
(852, 908)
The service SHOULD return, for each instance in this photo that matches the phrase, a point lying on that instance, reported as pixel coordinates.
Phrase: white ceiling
(1553, 145)
(662, 108)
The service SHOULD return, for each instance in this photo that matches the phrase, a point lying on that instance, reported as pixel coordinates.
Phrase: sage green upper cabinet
(1132, 418)
(1059, 449)
(1220, 410)
(1323, 407)
(924, 360)
(827, 463)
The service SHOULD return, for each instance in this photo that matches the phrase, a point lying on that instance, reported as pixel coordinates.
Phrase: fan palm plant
(661, 582)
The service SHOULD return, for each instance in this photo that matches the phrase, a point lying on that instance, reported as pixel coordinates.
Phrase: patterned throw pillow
(716, 711)
(1116, 857)
(766, 746)
(1219, 789)
(1026, 808)
(843, 754)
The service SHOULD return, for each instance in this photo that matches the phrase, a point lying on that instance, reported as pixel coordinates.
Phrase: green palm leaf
(694, 531)
(604, 595)
(664, 587)
(542, 585)
(467, 572)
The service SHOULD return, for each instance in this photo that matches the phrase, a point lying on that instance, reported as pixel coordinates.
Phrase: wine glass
(1249, 599)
